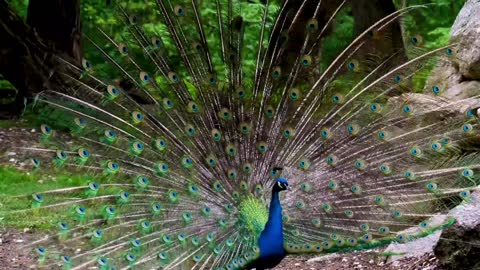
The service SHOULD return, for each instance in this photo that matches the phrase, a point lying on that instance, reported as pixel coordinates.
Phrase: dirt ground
(12, 258)
(368, 260)
(10, 255)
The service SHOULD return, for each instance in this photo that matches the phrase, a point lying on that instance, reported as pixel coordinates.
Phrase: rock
(466, 30)
(414, 248)
(464, 65)
(323, 258)
(459, 245)
(444, 76)
(464, 90)
(417, 247)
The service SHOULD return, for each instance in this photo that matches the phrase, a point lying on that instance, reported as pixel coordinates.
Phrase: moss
(388, 254)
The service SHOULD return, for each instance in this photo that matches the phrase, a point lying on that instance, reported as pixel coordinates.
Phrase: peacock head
(280, 184)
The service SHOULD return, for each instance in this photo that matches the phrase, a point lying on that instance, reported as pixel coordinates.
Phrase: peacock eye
(277, 72)
(162, 256)
(294, 94)
(146, 224)
(133, 19)
(80, 210)
(144, 77)
(467, 128)
(173, 77)
(40, 251)
(86, 64)
(467, 173)
(306, 60)
(62, 225)
(269, 112)
(130, 257)
(397, 78)
(375, 107)
(61, 155)
(312, 25)
(179, 10)
(102, 261)
(156, 42)
(123, 49)
(65, 259)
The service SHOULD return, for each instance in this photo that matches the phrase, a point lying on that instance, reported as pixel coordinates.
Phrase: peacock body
(184, 161)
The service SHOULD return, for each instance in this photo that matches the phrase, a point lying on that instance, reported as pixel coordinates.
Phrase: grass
(16, 189)
(7, 123)
(388, 254)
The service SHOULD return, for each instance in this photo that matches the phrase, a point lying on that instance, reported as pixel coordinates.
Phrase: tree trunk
(58, 23)
(28, 51)
(368, 12)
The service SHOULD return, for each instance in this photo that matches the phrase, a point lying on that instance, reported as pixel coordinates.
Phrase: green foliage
(96, 15)
(4, 84)
(12, 91)
(341, 36)
(433, 22)
(41, 114)
(20, 7)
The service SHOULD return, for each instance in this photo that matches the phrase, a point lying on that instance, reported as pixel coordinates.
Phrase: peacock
(188, 160)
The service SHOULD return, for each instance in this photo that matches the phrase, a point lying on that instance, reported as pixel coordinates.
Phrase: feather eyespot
(312, 25)
(123, 49)
(179, 10)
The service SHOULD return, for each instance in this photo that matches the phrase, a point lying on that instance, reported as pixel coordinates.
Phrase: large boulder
(466, 31)
(419, 246)
(464, 65)
(459, 245)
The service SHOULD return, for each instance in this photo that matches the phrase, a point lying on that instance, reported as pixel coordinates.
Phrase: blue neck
(271, 239)
(275, 212)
